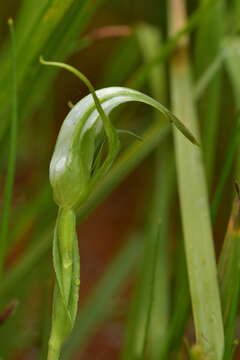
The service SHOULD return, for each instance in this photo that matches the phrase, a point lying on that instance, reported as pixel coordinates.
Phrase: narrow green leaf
(181, 305)
(9, 182)
(207, 76)
(208, 46)
(226, 170)
(194, 206)
(149, 315)
(232, 62)
(231, 52)
(229, 278)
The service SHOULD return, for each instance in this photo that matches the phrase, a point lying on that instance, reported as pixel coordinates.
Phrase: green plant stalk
(194, 206)
(157, 304)
(65, 248)
(231, 46)
(229, 275)
(237, 10)
(67, 269)
(158, 319)
(207, 76)
(153, 277)
(44, 315)
(208, 45)
(9, 182)
(140, 314)
(227, 166)
(181, 306)
(148, 319)
(231, 49)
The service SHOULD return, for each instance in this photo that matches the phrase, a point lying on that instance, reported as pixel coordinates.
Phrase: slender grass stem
(207, 76)
(157, 312)
(9, 182)
(194, 205)
(229, 275)
(208, 46)
(232, 66)
(148, 317)
(53, 350)
(153, 276)
(227, 166)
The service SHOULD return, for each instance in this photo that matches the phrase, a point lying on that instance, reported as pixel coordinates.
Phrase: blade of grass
(194, 205)
(158, 317)
(232, 63)
(236, 9)
(45, 322)
(229, 277)
(208, 45)
(181, 306)
(227, 166)
(148, 320)
(158, 309)
(206, 77)
(27, 19)
(232, 46)
(149, 38)
(153, 277)
(153, 313)
(9, 182)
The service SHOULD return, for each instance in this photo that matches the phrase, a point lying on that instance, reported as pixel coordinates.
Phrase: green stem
(66, 266)
(58, 322)
(66, 224)
(8, 190)
(197, 230)
(53, 350)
